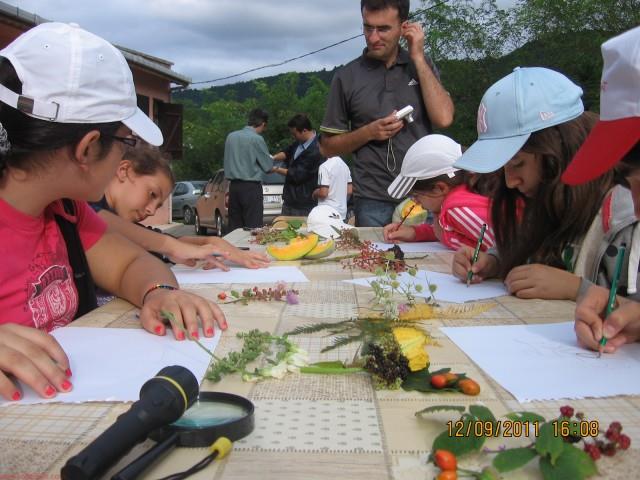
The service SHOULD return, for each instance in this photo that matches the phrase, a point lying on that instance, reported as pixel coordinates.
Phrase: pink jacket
(461, 218)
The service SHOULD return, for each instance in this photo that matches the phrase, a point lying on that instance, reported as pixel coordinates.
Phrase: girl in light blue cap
(551, 238)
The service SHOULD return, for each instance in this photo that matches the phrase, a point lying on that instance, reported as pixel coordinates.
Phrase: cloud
(207, 39)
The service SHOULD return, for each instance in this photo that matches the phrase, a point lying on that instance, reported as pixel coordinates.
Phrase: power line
(289, 60)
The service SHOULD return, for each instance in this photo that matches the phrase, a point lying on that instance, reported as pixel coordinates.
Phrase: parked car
(184, 198)
(211, 209)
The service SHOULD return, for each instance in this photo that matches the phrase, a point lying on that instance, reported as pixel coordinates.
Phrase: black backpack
(87, 300)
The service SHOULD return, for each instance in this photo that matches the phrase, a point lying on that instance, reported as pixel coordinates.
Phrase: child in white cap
(450, 194)
(68, 111)
(551, 238)
(613, 143)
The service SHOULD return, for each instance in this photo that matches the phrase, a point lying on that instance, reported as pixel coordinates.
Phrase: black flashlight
(163, 400)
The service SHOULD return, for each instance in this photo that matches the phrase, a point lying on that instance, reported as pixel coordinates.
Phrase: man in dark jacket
(301, 174)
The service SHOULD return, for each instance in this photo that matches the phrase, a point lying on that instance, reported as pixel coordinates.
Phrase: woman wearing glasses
(57, 142)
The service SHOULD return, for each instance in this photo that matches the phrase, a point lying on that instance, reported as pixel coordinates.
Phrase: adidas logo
(413, 82)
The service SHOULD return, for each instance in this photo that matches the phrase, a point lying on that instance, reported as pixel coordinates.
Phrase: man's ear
(87, 149)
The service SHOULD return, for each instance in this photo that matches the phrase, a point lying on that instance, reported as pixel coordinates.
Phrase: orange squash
(297, 248)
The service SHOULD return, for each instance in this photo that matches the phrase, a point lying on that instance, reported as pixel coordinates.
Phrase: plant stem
(329, 259)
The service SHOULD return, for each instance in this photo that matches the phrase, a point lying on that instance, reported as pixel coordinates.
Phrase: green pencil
(476, 252)
(612, 293)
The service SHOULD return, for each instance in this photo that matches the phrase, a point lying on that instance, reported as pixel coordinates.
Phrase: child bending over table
(67, 112)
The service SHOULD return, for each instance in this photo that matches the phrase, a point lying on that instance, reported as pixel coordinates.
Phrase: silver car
(184, 198)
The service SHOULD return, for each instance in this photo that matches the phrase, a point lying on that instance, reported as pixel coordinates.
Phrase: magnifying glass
(213, 415)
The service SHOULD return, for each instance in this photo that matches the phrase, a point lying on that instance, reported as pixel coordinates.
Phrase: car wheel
(219, 225)
(188, 215)
(199, 229)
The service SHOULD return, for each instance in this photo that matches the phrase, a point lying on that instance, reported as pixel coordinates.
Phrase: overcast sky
(208, 39)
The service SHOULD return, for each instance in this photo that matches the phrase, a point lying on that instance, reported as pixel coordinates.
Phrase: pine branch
(316, 327)
(342, 341)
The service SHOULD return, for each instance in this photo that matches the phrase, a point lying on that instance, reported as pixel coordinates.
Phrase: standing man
(301, 174)
(246, 160)
(366, 93)
(334, 185)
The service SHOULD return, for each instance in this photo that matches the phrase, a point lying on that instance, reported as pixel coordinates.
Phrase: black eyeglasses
(131, 141)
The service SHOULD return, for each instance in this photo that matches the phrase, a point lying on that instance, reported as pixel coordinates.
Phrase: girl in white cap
(456, 198)
(67, 113)
(551, 239)
(143, 181)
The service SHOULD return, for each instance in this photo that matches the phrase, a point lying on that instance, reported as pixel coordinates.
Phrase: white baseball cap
(430, 157)
(325, 220)
(619, 127)
(525, 101)
(69, 75)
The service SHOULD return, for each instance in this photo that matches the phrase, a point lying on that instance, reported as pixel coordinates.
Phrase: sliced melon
(418, 214)
(322, 249)
(297, 248)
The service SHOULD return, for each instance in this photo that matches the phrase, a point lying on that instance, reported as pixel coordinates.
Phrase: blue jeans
(373, 213)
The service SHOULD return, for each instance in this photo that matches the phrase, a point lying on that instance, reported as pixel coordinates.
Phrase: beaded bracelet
(155, 287)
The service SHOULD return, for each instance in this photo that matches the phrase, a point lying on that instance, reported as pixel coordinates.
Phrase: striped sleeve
(461, 226)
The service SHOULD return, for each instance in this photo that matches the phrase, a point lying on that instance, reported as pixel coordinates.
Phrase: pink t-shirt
(461, 217)
(36, 281)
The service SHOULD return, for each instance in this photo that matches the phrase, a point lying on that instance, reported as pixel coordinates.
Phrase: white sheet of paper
(544, 362)
(414, 247)
(450, 289)
(186, 275)
(111, 364)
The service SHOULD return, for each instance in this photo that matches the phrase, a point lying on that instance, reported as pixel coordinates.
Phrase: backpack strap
(87, 300)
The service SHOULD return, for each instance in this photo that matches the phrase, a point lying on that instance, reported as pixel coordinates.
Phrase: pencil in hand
(612, 292)
(405, 217)
(476, 252)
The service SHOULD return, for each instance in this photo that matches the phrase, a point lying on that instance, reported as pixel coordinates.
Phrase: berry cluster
(371, 258)
(615, 439)
(386, 363)
(348, 240)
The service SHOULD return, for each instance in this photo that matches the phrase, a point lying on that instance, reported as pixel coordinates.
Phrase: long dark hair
(29, 135)
(558, 214)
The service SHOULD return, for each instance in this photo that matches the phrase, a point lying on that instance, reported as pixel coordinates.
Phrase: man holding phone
(366, 94)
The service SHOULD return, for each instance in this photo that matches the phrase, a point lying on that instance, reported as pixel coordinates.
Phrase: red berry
(612, 435)
(439, 381)
(624, 442)
(592, 450)
(445, 460)
(448, 475)
(609, 450)
(222, 296)
(566, 411)
(615, 426)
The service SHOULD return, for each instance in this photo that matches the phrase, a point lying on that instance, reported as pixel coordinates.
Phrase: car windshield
(273, 179)
(197, 187)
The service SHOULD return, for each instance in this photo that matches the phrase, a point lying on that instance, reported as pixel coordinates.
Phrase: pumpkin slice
(297, 248)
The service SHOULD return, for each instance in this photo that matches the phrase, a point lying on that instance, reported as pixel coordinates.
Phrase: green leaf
(441, 408)
(573, 463)
(513, 459)
(420, 381)
(549, 444)
(526, 417)
(482, 413)
(462, 444)
(295, 224)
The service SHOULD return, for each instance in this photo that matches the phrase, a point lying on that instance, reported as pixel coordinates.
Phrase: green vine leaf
(573, 463)
(441, 408)
(526, 417)
(549, 444)
(459, 445)
(513, 458)
(482, 413)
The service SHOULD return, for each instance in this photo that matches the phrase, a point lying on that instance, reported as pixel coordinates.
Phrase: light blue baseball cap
(523, 102)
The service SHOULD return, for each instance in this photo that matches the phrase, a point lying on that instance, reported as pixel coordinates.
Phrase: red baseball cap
(618, 130)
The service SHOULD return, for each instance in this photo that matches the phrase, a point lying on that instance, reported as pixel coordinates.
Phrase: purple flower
(292, 298)
(281, 285)
(403, 307)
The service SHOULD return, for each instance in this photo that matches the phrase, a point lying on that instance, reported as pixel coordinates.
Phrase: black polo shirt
(364, 90)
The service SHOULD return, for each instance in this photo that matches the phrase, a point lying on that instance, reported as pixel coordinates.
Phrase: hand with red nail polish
(34, 358)
(188, 312)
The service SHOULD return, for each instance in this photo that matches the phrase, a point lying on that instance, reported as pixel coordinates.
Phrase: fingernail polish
(67, 372)
(180, 335)
(209, 331)
(66, 385)
(16, 396)
(50, 391)
(195, 335)
(159, 329)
